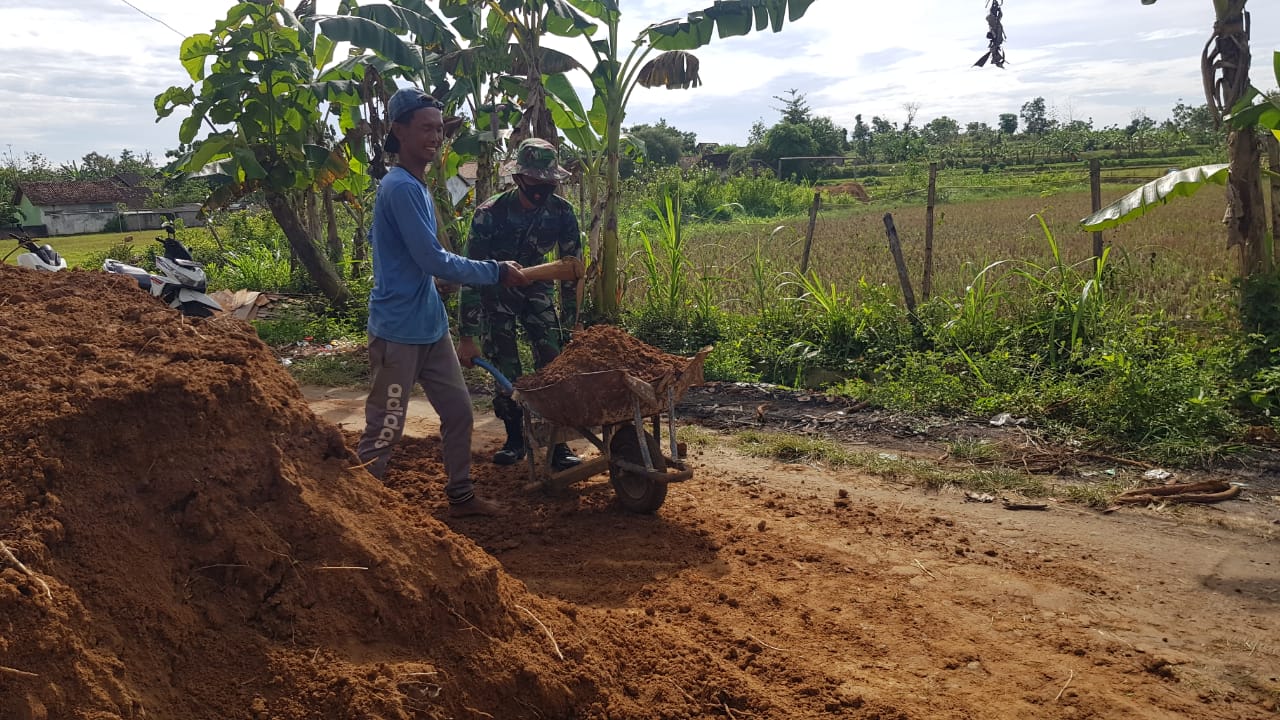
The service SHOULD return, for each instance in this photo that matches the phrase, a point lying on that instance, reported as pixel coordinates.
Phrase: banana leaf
(1155, 193)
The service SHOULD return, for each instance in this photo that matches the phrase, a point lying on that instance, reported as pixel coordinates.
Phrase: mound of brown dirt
(600, 348)
(210, 551)
(849, 187)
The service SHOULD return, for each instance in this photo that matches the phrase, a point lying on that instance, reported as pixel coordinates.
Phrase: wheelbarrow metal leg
(602, 446)
(644, 446)
(531, 444)
(671, 423)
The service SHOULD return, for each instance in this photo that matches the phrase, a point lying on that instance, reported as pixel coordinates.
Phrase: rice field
(1174, 259)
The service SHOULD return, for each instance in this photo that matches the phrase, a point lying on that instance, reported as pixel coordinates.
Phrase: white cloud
(80, 75)
(1172, 34)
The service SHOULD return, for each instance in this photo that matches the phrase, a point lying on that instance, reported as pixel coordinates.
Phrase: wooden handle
(569, 268)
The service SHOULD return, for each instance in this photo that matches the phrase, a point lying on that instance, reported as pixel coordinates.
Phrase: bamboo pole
(926, 285)
(808, 238)
(895, 247)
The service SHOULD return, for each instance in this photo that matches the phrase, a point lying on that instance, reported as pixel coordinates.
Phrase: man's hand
(510, 275)
(467, 351)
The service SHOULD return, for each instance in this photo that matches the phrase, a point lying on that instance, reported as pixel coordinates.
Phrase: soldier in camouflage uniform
(524, 224)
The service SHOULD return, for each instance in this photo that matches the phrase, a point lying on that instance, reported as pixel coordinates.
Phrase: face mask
(539, 193)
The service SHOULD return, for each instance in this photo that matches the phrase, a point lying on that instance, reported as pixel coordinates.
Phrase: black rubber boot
(562, 458)
(513, 450)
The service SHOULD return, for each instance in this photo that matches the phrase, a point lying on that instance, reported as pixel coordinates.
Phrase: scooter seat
(142, 277)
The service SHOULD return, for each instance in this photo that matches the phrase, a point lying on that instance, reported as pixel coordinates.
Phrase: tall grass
(255, 267)
(664, 258)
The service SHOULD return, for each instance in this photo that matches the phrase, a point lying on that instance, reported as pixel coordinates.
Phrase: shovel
(503, 382)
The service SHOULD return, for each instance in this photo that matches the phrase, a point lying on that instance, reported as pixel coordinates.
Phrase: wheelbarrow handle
(503, 382)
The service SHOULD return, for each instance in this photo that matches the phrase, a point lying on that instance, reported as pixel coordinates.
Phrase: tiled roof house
(82, 206)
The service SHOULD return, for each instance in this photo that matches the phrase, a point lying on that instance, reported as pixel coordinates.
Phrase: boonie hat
(536, 158)
(405, 102)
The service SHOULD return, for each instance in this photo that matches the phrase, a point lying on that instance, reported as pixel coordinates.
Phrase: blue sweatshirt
(404, 306)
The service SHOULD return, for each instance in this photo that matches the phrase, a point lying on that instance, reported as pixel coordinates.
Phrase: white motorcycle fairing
(50, 262)
(191, 296)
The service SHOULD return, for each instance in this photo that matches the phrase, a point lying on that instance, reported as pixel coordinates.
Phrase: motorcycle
(181, 283)
(38, 257)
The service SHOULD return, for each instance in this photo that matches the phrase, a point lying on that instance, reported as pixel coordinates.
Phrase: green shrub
(311, 324)
(925, 382)
(1180, 396)
(125, 252)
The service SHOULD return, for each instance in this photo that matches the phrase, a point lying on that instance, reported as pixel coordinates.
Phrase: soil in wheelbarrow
(600, 348)
(184, 539)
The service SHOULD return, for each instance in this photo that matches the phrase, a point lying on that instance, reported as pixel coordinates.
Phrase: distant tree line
(1035, 134)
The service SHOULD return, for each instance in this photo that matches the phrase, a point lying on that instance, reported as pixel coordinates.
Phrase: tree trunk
(300, 242)
(1273, 160)
(608, 278)
(331, 228)
(1246, 210)
(595, 206)
(312, 216)
(486, 182)
(359, 246)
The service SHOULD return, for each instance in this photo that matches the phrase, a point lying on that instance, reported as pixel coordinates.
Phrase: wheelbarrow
(609, 409)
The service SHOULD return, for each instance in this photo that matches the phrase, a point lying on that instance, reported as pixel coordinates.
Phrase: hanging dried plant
(995, 37)
(673, 70)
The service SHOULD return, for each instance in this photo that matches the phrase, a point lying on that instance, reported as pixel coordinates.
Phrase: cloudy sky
(80, 75)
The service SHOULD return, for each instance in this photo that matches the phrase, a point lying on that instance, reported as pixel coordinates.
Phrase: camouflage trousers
(536, 313)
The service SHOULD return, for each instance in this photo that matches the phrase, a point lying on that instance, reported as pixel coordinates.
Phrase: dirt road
(838, 594)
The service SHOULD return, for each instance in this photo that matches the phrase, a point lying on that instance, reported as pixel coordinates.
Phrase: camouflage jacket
(502, 229)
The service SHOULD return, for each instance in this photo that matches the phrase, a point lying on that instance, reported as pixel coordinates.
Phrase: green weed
(695, 436)
(972, 449)
(336, 370)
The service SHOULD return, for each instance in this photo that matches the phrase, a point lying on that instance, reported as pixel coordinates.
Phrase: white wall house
(71, 208)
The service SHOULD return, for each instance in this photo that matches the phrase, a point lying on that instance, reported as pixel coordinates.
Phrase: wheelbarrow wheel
(636, 493)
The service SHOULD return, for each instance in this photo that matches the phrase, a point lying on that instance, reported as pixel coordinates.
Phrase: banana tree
(501, 82)
(524, 22)
(1225, 71)
(585, 130)
(264, 96)
(404, 39)
(502, 70)
(616, 76)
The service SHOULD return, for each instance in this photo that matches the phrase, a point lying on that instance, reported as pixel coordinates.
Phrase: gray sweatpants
(396, 368)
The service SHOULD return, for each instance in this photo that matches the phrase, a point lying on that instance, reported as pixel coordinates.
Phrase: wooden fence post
(926, 285)
(1095, 189)
(808, 238)
(895, 247)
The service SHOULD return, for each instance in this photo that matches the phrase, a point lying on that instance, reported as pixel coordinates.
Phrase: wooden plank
(904, 278)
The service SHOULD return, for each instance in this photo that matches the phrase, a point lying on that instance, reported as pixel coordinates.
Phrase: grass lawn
(76, 248)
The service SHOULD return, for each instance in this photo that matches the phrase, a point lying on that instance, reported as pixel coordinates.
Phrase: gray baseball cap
(404, 103)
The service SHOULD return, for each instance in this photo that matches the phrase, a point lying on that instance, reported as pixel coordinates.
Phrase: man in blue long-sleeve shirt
(409, 339)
